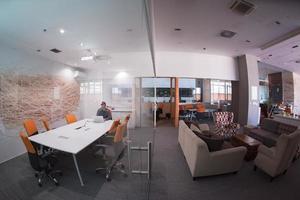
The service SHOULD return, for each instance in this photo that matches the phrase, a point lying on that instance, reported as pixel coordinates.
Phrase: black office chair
(116, 152)
(42, 164)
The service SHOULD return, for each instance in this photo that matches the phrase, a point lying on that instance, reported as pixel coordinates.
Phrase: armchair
(224, 125)
(276, 160)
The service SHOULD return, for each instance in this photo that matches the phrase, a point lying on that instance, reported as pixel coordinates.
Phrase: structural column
(176, 111)
(249, 112)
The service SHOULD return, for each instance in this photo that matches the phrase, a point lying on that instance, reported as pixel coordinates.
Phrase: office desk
(73, 138)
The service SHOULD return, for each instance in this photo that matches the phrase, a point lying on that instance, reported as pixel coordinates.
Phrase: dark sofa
(269, 131)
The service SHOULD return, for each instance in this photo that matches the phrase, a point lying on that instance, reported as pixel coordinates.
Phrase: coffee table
(250, 143)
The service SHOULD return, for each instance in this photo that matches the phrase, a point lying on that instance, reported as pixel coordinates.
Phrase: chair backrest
(28, 145)
(30, 127)
(70, 118)
(286, 148)
(200, 107)
(127, 118)
(118, 144)
(46, 123)
(223, 117)
(114, 126)
(32, 153)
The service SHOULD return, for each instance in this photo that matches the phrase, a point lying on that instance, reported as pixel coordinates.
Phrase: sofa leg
(194, 178)
(271, 179)
(235, 172)
(284, 172)
(254, 168)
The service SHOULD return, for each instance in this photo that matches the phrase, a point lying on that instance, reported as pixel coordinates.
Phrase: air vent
(242, 7)
(227, 34)
(55, 50)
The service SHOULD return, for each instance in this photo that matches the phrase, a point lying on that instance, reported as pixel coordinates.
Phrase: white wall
(296, 78)
(196, 65)
(14, 61)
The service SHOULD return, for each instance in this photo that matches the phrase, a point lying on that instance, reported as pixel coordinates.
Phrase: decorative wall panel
(25, 96)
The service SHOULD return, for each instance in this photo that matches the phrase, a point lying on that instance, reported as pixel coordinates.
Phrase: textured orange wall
(24, 96)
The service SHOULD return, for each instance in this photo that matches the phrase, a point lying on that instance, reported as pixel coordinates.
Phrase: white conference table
(73, 138)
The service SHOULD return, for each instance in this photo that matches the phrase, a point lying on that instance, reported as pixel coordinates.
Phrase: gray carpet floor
(171, 178)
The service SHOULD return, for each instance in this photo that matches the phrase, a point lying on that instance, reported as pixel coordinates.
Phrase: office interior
(161, 67)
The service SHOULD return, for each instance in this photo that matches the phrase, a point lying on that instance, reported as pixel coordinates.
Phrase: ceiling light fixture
(81, 44)
(62, 31)
(85, 58)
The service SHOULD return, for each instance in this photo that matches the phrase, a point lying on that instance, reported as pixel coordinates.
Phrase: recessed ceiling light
(84, 58)
(204, 48)
(248, 41)
(227, 34)
(294, 46)
(297, 61)
(38, 50)
(177, 29)
(62, 31)
(129, 30)
(277, 22)
(45, 30)
(270, 55)
(81, 44)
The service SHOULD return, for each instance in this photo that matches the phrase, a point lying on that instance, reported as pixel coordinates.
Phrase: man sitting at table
(104, 111)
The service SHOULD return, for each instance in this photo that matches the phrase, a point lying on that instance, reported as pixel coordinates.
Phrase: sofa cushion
(266, 137)
(269, 125)
(285, 129)
(195, 128)
(213, 141)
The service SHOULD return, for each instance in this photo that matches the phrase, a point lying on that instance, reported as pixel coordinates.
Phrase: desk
(72, 139)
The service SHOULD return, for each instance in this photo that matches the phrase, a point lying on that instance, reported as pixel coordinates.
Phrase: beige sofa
(276, 160)
(201, 162)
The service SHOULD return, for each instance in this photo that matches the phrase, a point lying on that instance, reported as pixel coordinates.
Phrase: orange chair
(30, 127)
(118, 147)
(71, 118)
(127, 118)
(40, 163)
(200, 107)
(188, 106)
(114, 126)
(46, 123)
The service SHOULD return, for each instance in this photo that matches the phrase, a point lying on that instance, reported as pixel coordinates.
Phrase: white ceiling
(107, 27)
(202, 21)
(117, 28)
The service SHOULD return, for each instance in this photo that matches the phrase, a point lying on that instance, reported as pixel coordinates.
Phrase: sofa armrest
(231, 152)
(270, 152)
(228, 160)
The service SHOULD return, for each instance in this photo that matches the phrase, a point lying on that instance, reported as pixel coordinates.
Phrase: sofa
(201, 162)
(276, 160)
(269, 131)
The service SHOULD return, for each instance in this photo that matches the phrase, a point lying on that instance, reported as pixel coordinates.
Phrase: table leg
(77, 169)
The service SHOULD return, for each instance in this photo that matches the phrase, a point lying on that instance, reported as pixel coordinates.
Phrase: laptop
(98, 119)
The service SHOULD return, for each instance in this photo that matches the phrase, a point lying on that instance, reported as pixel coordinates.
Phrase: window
(220, 91)
(91, 87)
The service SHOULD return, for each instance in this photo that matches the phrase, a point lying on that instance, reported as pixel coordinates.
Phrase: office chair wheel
(40, 182)
(36, 175)
(107, 177)
(122, 166)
